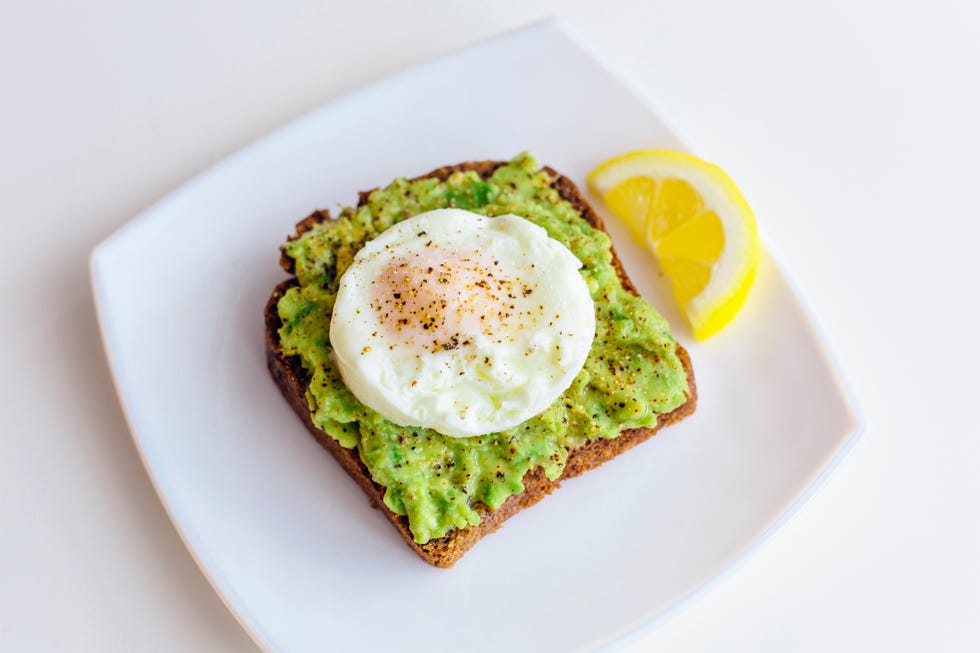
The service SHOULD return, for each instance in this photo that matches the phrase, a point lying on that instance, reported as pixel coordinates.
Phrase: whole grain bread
(292, 380)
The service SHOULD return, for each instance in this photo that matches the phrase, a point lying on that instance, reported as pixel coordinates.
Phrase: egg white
(461, 323)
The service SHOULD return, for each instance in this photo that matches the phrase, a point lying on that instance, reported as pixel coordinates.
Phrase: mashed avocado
(632, 372)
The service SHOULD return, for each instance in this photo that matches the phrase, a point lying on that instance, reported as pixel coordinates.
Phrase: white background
(851, 128)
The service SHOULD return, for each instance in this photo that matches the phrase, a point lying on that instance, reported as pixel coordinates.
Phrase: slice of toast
(292, 379)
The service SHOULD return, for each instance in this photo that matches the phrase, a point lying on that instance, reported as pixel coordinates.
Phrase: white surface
(848, 125)
(283, 534)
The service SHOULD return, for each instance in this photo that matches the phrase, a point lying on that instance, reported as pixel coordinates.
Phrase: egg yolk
(445, 297)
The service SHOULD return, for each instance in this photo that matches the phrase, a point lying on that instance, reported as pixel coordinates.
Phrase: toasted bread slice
(292, 379)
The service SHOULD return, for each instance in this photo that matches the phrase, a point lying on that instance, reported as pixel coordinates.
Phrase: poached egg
(461, 323)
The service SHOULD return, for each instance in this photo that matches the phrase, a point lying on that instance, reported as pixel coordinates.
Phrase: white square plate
(288, 541)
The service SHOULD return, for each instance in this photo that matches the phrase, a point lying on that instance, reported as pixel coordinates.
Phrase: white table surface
(851, 127)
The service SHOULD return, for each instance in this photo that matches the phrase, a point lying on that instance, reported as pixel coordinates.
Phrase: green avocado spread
(631, 375)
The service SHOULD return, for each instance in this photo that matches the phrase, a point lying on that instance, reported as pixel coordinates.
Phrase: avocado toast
(443, 495)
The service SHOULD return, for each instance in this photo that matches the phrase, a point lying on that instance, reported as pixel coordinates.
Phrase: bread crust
(289, 375)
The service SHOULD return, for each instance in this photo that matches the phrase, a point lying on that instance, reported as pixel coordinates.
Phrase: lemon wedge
(695, 221)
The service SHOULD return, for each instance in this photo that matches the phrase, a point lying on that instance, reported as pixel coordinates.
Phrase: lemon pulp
(697, 224)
